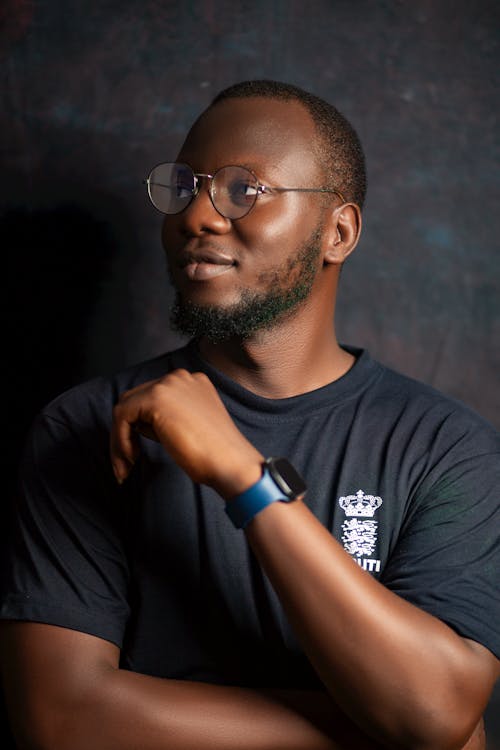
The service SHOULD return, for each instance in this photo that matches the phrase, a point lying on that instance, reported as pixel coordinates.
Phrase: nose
(200, 215)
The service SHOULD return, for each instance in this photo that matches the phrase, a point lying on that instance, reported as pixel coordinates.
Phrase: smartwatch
(279, 481)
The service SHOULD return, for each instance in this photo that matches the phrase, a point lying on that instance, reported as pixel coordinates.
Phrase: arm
(419, 684)
(65, 691)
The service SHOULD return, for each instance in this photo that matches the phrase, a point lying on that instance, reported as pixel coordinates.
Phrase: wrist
(240, 474)
(279, 481)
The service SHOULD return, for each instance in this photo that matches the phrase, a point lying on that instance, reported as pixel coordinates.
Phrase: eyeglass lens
(233, 190)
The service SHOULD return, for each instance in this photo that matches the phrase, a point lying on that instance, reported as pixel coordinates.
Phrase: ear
(341, 233)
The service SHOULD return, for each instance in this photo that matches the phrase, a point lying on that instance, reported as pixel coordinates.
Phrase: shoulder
(92, 401)
(420, 433)
(422, 409)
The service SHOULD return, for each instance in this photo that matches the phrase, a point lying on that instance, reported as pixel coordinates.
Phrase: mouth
(204, 265)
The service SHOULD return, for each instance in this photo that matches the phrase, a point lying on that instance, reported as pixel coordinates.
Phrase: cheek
(279, 226)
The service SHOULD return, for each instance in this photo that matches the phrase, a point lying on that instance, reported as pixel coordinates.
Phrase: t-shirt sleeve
(66, 560)
(447, 557)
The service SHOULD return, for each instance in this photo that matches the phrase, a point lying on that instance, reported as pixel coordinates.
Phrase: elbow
(426, 724)
(431, 732)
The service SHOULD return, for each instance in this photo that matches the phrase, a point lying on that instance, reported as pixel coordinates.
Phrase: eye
(242, 191)
(183, 190)
(182, 182)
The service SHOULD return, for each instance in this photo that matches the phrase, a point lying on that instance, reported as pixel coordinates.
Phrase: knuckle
(157, 389)
(172, 376)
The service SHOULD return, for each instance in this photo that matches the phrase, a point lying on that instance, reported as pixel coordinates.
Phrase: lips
(205, 264)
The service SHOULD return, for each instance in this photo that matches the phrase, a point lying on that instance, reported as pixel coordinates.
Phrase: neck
(284, 361)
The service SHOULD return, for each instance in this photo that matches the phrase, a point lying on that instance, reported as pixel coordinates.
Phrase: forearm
(139, 711)
(400, 673)
(65, 691)
(125, 711)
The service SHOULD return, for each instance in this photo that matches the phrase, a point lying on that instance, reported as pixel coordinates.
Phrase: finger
(137, 389)
(124, 446)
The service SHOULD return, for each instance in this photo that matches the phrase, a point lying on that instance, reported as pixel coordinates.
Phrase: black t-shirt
(403, 477)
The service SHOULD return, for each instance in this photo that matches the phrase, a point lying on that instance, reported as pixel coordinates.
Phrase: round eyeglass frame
(260, 189)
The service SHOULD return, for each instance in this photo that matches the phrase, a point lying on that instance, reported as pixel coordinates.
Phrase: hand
(184, 413)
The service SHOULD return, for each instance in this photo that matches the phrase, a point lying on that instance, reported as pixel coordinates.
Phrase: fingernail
(120, 471)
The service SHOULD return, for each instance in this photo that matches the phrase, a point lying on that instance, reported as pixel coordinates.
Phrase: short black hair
(339, 148)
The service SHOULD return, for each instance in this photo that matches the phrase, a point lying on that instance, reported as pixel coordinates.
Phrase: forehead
(272, 137)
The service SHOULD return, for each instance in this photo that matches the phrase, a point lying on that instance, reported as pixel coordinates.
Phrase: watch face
(286, 477)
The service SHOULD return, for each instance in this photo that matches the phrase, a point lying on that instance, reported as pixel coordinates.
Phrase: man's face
(235, 277)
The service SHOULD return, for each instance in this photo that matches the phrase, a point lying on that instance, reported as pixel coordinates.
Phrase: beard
(285, 288)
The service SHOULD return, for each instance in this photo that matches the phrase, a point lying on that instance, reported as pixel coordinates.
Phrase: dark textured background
(95, 93)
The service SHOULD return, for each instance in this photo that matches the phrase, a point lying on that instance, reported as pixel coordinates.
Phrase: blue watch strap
(242, 508)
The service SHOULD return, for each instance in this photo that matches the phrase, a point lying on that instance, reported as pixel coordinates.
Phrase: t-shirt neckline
(348, 386)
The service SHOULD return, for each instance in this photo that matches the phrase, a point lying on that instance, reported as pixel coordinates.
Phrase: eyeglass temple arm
(303, 190)
(147, 181)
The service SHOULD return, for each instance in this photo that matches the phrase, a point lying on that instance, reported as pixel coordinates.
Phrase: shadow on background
(55, 262)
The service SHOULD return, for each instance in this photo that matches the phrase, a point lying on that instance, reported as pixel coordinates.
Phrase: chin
(208, 298)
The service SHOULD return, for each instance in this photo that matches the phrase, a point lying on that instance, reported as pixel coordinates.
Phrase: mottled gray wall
(95, 93)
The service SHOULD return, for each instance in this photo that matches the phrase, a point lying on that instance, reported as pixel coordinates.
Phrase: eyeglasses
(233, 190)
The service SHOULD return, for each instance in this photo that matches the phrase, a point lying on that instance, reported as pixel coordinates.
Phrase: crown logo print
(360, 504)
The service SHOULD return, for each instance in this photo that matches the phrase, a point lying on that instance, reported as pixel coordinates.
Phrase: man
(196, 594)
